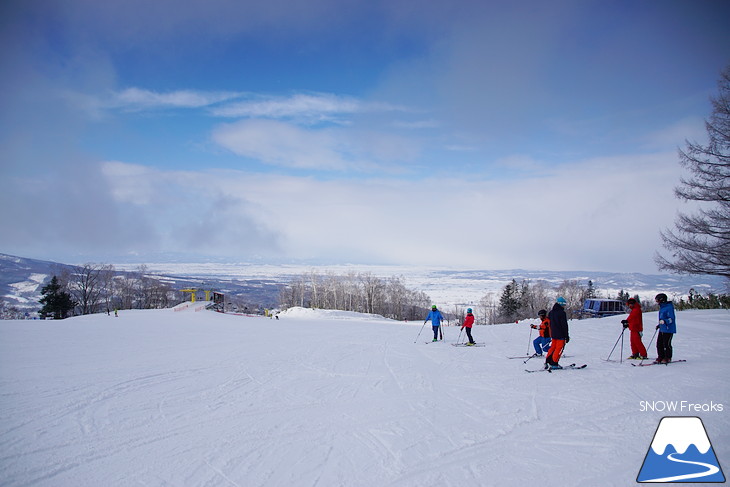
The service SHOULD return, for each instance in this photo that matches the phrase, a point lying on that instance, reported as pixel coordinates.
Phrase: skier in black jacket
(558, 332)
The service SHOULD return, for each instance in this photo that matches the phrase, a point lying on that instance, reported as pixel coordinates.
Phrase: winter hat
(542, 312)
(561, 301)
(661, 298)
(468, 310)
(433, 307)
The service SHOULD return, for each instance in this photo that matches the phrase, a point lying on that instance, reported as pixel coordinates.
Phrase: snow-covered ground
(197, 398)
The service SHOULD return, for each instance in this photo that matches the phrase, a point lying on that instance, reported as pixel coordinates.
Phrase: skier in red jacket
(468, 322)
(635, 324)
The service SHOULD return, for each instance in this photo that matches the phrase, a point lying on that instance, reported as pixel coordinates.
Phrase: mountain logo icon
(681, 452)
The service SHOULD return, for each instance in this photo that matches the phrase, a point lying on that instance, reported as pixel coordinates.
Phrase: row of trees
(361, 292)
(10, 312)
(698, 301)
(366, 293)
(522, 300)
(525, 299)
(94, 288)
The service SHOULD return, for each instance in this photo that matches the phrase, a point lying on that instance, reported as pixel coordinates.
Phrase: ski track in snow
(158, 398)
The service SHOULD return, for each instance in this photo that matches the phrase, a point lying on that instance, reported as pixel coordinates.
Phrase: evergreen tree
(56, 302)
(623, 296)
(509, 303)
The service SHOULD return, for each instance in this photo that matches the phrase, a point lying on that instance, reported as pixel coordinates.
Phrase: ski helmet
(561, 301)
(631, 301)
(433, 307)
(542, 312)
(660, 298)
(468, 310)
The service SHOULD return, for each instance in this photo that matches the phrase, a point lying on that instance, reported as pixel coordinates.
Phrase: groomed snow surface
(197, 398)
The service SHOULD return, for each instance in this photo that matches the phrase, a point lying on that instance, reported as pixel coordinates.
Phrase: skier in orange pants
(559, 332)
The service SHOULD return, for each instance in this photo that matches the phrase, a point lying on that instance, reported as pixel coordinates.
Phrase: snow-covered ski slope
(163, 398)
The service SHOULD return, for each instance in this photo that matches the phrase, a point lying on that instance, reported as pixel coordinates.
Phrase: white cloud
(188, 212)
(301, 107)
(417, 124)
(601, 214)
(287, 145)
(315, 107)
(141, 99)
(281, 144)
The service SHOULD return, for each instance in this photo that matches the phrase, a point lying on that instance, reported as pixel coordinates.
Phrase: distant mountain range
(21, 279)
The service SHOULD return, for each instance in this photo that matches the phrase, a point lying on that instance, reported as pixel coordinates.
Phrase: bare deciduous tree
(86, 285)
(700, 243)
(355, 292)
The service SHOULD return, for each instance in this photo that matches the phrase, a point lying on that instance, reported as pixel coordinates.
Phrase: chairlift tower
(193, 292)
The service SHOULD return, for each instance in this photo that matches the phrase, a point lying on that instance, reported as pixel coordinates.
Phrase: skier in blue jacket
(436, 318)
(667, 328)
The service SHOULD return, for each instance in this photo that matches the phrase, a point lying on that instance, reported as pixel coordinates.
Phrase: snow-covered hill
(199, 398)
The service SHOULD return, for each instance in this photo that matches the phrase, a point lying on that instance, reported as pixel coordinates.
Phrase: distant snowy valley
(21, 280)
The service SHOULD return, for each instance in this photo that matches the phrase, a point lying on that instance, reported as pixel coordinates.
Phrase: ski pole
(649, 346)
(528, 358)
(621, 359)
(614, 345)
(419, 332)
(458, 339)
(529, 341)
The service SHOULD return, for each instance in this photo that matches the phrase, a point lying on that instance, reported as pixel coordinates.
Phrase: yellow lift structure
(192, 292)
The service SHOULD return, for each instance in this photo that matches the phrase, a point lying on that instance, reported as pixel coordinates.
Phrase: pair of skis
(654, 363)
(533, 356)
(478, 344)
(566, 367)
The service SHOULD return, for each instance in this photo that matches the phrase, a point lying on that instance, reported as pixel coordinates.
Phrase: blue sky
(539, 135)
